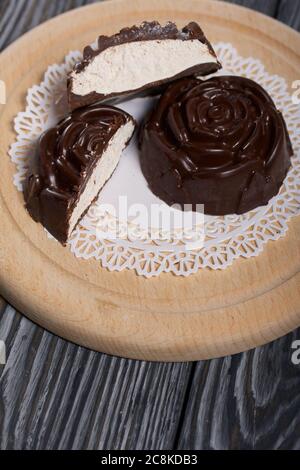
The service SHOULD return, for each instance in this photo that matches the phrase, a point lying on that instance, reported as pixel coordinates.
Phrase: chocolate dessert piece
(219, 142)
(139, 59)
(72, 163)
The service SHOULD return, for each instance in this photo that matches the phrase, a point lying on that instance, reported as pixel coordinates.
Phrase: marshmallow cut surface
(102, 172)
(131, 66)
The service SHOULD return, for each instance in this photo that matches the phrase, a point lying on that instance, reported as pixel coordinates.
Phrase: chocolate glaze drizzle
(66, 156)
(219, 142)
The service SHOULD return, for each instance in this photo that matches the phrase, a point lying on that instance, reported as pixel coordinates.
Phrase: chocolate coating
(219, 142)
(147, 31)
(65, 158)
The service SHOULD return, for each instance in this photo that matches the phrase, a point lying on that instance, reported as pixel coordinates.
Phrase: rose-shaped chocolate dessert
(72, 163)
(219, 142)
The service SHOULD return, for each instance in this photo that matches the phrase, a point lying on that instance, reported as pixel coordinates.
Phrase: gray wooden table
(56, 395)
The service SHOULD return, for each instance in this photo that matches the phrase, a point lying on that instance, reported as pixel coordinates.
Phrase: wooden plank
(268, 8)
(19, 16)
(56, 395)
(289, 13)
(247, 401)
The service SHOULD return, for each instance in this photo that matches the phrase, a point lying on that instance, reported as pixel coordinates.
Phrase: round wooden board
(209, 314)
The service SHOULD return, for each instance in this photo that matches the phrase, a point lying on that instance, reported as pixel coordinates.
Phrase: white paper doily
(226, 238)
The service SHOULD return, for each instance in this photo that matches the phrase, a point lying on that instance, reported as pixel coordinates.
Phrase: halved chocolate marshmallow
(73, 162)
(140, 59)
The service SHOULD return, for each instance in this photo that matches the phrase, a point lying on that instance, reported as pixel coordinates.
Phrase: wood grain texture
(19, 16)
(56, 395)
(246, 401)
(268, 7)
(202, 427)
(289, 12)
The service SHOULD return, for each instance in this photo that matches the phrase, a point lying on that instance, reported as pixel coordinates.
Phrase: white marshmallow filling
(133, 65)
(102, 172)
